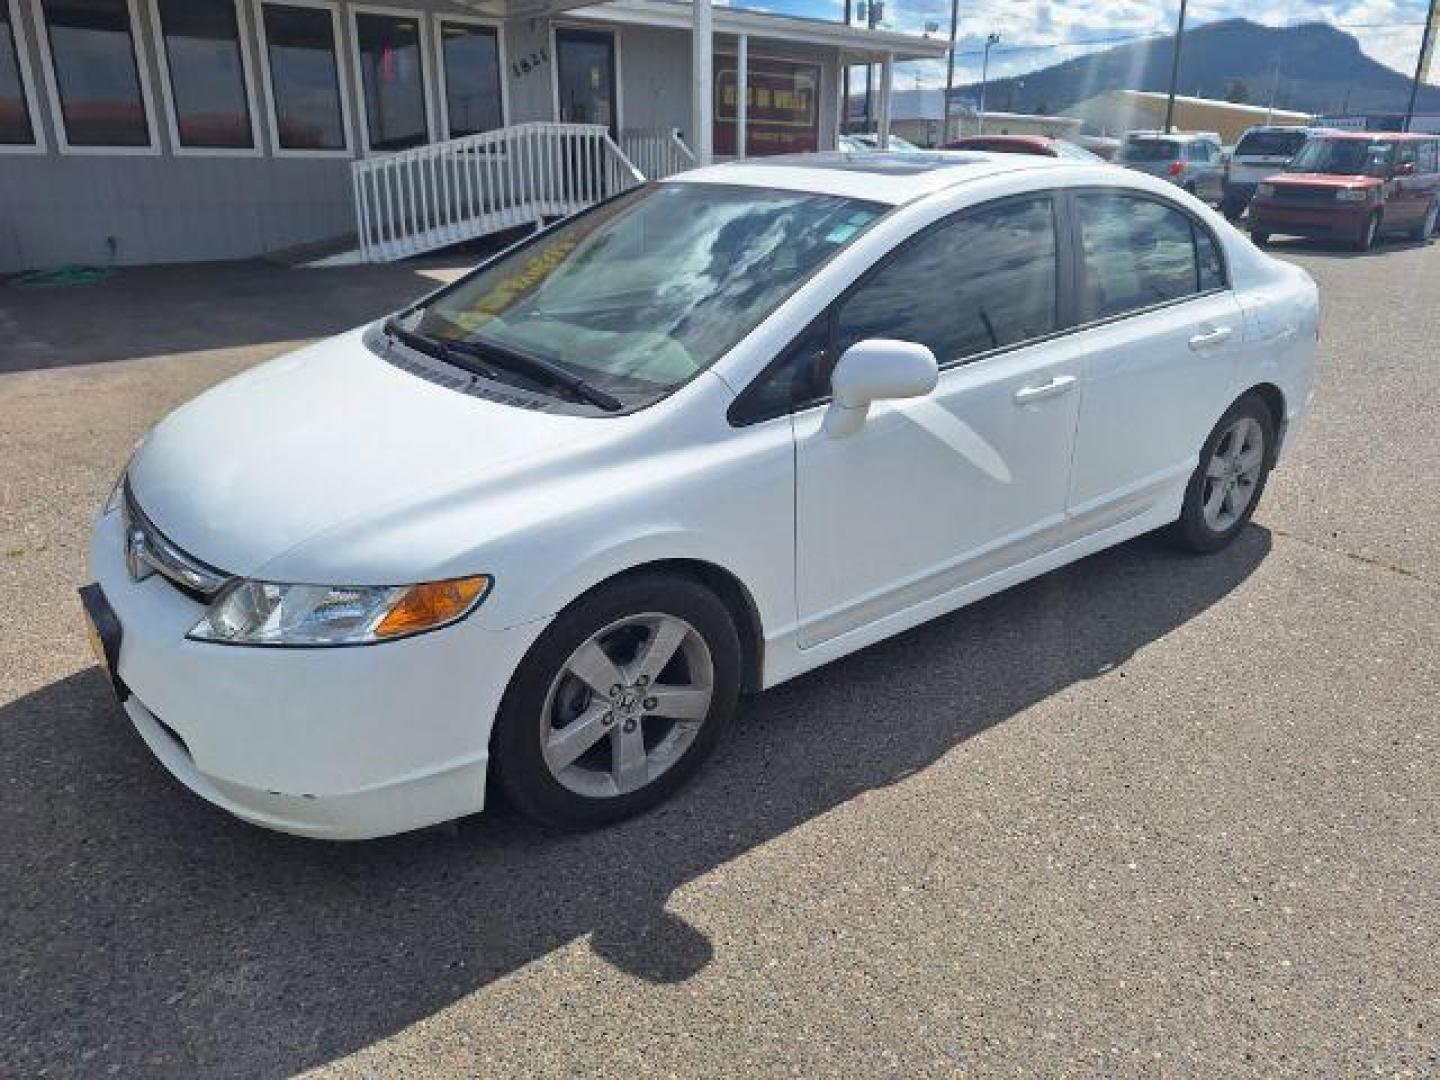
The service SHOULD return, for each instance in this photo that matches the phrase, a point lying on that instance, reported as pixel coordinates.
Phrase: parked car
(863, 142)
(541, 527)
(1262, 152)
(1355, 187)
(1039, 145)
(1190, 160)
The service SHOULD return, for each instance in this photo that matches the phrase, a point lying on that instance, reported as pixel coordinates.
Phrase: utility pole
(845, 76)
(949, 67)
(1274, 89)
(1175, 70)
(1422, 66)
(990, 40)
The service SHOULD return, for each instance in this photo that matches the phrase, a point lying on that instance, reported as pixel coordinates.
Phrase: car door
(1408, 197)
(1161, 336)
(936, 492)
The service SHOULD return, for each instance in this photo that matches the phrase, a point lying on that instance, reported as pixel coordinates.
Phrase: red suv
(1353, 186)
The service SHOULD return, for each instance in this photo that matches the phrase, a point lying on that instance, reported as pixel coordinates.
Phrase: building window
(470, 66)
(205, 74)
(303, 75)
(783, 106)
(391, 65)
(95, 73)
(17, 122)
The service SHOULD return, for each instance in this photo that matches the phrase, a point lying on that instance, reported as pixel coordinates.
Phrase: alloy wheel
(1232, 473)
(626, 705)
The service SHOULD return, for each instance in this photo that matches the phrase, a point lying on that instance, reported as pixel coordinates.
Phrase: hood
(1326, 180)
(327, 436)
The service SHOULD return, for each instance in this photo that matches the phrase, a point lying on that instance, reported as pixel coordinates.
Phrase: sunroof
(881, 163)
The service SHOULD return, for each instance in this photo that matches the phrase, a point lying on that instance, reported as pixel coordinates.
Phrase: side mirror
(876, 370)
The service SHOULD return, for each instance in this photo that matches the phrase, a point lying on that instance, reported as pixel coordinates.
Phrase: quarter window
(392, 78)
(470, 58)
(983, 281)
(1138, 253)
(206, 74)
(16, 125)
(97, 79)
(304, 77)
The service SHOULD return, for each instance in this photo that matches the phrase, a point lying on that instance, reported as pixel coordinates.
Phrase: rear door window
(1270, 144)
(1138, 253)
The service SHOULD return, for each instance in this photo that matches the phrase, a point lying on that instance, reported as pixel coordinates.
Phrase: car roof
(1369, 135)
(891, 178)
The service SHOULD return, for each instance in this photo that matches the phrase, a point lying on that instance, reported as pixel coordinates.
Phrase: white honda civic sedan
(543, 527)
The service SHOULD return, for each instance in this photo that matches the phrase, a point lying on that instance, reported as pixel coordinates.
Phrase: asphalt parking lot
(1148, 815)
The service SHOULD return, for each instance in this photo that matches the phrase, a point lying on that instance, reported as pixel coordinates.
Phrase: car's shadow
(152, 933)
(1285, 245)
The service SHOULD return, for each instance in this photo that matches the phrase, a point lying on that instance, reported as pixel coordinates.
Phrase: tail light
(1176, 168)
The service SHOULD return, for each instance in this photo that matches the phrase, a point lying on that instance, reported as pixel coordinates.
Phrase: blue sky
(1389, 30)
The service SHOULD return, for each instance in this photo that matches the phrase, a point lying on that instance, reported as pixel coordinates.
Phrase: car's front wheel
(619, 701)
(1369, 232)
(1225, 487)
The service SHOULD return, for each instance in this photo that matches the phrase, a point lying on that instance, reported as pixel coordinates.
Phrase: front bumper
(337, 743)
(1322, 222)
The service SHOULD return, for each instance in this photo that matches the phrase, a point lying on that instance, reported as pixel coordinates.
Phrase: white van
(1261, 152)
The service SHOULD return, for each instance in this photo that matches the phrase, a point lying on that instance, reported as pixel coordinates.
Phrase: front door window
(585, 71)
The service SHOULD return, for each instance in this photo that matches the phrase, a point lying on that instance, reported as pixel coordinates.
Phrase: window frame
(1070, 258)
(423, 38)
(438, 22)
(29, 86)
(247, 74)
(142, 76)
(341, 81)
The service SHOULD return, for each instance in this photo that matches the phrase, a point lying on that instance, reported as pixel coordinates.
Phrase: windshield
(1270, 143)
(641, 293)
(1150, 150)
(1344, 157)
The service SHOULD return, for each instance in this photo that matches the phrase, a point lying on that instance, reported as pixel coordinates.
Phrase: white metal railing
(657, 153)
(431, 196)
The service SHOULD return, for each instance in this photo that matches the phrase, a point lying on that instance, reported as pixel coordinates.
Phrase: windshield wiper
(464, 354)
(536, 367)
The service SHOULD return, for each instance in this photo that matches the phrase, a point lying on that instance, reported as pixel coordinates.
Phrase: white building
(142, 131)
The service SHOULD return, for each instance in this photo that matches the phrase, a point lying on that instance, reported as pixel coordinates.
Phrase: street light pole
(845, 79)
(990, 40)
(949, 67)
(1175, 71)
(1427, 46)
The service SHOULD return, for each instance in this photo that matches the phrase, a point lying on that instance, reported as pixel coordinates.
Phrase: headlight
(1265, 189)
(1352, 194)
(268, 613)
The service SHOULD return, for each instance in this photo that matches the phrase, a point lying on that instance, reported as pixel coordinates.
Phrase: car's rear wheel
(1260, 237)
(1368, 232)
(1426, 228)
(1227, 484)
(619, 701)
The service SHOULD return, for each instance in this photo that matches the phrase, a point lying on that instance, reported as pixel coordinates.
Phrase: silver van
(1192, 160)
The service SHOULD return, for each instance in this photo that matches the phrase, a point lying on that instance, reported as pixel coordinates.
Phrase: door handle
(1060, 384)
(1207, 339)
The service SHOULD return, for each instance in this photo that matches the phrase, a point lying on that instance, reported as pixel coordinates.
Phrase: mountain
(1321, 70)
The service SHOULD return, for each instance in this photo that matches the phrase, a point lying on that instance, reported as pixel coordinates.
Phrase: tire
(602, 782)
(1233, 209)
(1426, 228)
(1199, 528)
(1259, 237)
(1368, 233)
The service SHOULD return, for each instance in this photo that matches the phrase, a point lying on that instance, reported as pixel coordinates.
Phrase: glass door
(585, 76)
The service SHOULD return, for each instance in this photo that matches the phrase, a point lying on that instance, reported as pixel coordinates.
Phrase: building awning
(859, 45)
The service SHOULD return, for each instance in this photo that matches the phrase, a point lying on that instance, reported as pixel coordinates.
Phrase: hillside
(1322, 70)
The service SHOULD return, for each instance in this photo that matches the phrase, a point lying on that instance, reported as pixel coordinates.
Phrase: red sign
(782, 114)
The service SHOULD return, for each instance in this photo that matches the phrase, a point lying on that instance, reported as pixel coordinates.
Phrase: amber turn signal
(424, 607)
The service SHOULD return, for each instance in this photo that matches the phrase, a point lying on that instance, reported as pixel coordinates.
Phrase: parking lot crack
(1367, 560)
